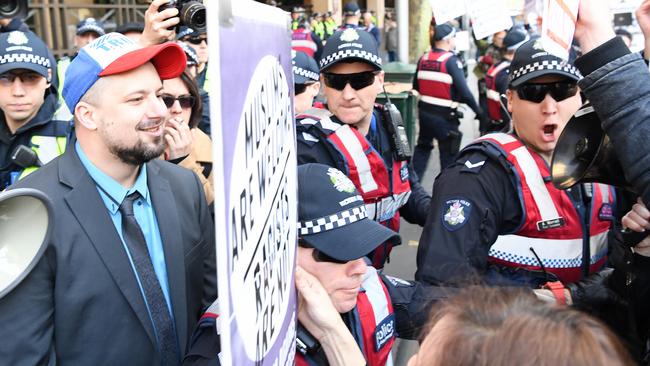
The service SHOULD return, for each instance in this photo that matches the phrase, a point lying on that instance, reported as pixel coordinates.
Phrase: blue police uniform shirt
(113, 193)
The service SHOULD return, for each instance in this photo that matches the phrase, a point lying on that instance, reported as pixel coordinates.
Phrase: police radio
(393, 121)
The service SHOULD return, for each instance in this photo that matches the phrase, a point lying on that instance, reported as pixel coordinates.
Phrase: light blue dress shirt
(113, 193)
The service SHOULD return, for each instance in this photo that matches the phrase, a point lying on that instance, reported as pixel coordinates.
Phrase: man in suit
(130, 263)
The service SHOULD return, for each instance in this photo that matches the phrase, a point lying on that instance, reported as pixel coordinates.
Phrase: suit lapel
(89, 209)
(166, 210)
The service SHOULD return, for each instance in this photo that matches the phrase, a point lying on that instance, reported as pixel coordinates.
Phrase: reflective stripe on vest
(382, 193)
(551, 226)
(434, 82)
(46, 148)
(377, 320)
(301, 41)
(493, 95)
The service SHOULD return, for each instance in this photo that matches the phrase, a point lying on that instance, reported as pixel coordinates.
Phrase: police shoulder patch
(456, 213)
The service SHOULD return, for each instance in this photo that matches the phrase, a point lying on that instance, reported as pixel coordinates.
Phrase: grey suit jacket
(81, 304)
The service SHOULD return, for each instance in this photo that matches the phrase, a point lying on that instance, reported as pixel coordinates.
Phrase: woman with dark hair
(187, 145)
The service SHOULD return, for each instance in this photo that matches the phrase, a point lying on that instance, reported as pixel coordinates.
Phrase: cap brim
(168, 58)
(299, 79)
(352, 241)
(351, 59)
(41, 70)
(535, 74)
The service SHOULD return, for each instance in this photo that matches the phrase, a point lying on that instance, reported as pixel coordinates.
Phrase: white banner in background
(559, 25)
(445, 10)
(489, 17)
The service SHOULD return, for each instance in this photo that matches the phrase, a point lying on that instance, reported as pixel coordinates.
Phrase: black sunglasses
(185, 100)
(320, 256)
(537, 92)
(357, 80)
(197, 40)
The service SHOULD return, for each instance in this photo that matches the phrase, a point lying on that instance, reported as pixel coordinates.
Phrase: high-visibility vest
(383, 193)
(434, 81)
(494, 95)
(301, 40)
(551, 228)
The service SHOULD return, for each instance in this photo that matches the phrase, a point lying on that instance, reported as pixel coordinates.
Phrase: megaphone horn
(584, 154)
(25, 226)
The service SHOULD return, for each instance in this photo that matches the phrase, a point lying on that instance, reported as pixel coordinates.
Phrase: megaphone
(25, 226)
(583, 153)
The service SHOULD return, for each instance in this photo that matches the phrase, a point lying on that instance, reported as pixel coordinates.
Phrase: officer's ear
(509, 94)
(314, 89)
(84, 114)
(380, 78)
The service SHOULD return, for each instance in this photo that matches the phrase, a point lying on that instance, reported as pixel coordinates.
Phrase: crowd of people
(510, 269)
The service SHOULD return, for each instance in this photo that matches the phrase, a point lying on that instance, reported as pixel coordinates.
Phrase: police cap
(532, 61)
(350, 45)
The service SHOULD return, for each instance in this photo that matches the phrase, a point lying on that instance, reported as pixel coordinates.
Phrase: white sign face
(489, 17)
(559, 25)
(262, 210)
(445, 10)
(462, 41)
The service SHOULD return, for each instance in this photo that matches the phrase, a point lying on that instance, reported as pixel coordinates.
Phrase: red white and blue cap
(332, 215)
(115, 53)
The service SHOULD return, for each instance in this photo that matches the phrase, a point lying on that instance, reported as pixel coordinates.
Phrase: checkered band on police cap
(331, 222)
(350, 44)
(305, 69)
(532, 61)
(24, 50)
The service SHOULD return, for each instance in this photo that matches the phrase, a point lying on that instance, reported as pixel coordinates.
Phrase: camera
(191, 12)
(13, 9)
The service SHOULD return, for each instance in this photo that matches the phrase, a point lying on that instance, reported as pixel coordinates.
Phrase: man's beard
(138, 154)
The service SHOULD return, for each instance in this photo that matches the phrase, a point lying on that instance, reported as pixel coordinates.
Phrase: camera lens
(8, 7)
(193, 15)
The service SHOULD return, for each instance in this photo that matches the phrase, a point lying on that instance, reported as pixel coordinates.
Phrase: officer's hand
(638, 219)
(179, 139)
(594, 26)
(156, 24)
(315, 309)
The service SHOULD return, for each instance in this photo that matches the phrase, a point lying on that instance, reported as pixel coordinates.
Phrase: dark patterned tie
(162, 322)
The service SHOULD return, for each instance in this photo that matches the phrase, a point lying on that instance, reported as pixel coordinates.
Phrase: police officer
(344, 301)
(330, 25)
(495, 213)
(351, 15)
(354, 136)
(496, 82)
(305, 40)
(88, 30)
(296, 13)
(442, 85)
(306, 81)
(29, 137)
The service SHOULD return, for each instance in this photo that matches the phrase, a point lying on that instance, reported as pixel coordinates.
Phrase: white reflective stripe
(309, 137)
(47, 149)
(376, 295)
(502, 138)
(439, 101)
(327, 123)
(390, 358)
(535, 182)
(303, 43)
(604, 191)
(444, 56)
(388, 206)
(353, 145)
(554, 253)
(372, 211)
(497, 69)
(435, 76)
(494, 95)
